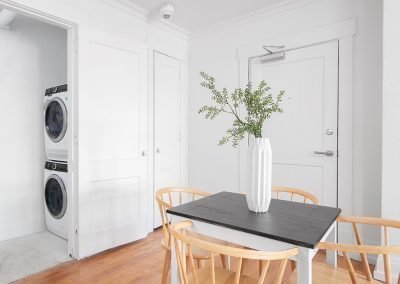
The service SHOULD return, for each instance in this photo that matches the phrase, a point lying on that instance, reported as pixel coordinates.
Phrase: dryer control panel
(56, 89)
(55, 166)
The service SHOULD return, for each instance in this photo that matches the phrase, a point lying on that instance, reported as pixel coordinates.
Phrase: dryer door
(55, 196)
(55, 119)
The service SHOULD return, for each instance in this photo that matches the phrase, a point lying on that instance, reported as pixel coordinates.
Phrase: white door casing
(167, 125)
(308, 123)
(115, 204)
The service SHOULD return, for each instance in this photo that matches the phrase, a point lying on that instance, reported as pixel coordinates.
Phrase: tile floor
(30, 254)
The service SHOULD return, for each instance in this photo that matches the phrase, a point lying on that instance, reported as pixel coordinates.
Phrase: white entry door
(167, 125)
(113, 207)
(304, 137)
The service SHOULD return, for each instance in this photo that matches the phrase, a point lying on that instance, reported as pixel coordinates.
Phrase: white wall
(391, 122)
(391, 114)
(32, 58)
(215, 168)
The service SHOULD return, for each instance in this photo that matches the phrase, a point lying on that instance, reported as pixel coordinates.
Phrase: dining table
(286, 224)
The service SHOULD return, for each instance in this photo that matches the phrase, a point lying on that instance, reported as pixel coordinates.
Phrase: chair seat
(222, 276)
(327, 274)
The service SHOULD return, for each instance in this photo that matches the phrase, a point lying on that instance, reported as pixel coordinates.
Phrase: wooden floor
(138, 262)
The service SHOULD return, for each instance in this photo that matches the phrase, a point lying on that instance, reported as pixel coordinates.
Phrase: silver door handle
(144, 153)
(326, 153)
(158, 151)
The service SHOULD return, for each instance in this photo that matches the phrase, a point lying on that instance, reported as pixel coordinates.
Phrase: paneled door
(304, 137)
(167, 125)
(114, 206)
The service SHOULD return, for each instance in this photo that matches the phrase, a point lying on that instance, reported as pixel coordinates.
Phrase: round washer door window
(55, 196)
(56, 119)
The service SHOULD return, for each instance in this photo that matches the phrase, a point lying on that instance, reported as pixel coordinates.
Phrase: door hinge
(76, 46)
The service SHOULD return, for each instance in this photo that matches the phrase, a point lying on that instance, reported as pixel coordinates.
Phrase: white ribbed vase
(258, 180)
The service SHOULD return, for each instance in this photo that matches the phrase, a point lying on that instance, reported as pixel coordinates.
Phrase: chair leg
(224, 261)
(188, 264)
(293, 265)
(244, 263)
(167, 263)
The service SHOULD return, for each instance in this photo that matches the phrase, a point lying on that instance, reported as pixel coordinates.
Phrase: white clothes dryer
(56, 123)
(56, 192)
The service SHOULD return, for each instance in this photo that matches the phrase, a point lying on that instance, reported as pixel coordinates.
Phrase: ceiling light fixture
(167, 11)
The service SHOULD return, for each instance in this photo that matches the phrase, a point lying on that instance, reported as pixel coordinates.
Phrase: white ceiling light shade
(6, 17)
(167, 11)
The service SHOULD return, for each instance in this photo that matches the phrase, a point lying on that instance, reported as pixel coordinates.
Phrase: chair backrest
(362, 249)
(185, 240)
(295, 194)
(169, 197)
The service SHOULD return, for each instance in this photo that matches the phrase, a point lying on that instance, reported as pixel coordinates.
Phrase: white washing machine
(56, 123)
(56, 198)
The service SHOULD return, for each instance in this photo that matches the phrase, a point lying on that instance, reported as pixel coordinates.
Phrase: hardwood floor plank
(138, 262)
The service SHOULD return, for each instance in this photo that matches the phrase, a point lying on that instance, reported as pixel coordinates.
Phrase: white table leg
(331, 256)
(174, 263)
(304, 266)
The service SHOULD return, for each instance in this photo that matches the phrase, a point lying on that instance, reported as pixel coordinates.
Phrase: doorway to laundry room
(35, 184)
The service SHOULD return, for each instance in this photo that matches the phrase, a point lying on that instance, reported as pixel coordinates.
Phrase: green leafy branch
(259, 106)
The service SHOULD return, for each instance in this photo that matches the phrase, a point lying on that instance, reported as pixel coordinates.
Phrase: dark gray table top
(291, 222)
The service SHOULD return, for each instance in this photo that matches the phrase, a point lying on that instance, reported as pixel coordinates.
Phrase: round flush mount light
(167, 11)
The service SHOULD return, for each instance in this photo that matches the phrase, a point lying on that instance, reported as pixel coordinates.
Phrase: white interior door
(114, 206)
(167, 125)
(308, 123)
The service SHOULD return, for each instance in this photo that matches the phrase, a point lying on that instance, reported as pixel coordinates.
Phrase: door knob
(330, 131)
(144, 153)
(326, 153)
(158, 150)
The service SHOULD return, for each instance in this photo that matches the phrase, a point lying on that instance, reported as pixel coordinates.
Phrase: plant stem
(235, 114)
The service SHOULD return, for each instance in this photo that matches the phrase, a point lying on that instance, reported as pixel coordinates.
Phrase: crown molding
(142, 14)
(170, 27)
(129, 8)
(278, 8)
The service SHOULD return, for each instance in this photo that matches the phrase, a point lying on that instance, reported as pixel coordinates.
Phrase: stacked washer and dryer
(56, 188)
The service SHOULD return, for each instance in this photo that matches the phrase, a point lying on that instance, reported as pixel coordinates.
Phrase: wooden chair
(170, 197)
(185, 242)
(295, 194)
(329, 274)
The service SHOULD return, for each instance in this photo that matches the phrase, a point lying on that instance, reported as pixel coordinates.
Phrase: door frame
(151, 124)
(343, 33)
(72, 81)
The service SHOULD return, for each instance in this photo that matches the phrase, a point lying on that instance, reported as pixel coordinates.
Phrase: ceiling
(193, 15)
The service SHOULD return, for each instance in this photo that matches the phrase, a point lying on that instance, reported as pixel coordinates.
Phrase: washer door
(55, 119)
(55, 196)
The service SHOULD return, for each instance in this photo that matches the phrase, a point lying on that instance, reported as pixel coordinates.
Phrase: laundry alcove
(34, 55)
(33, 58)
